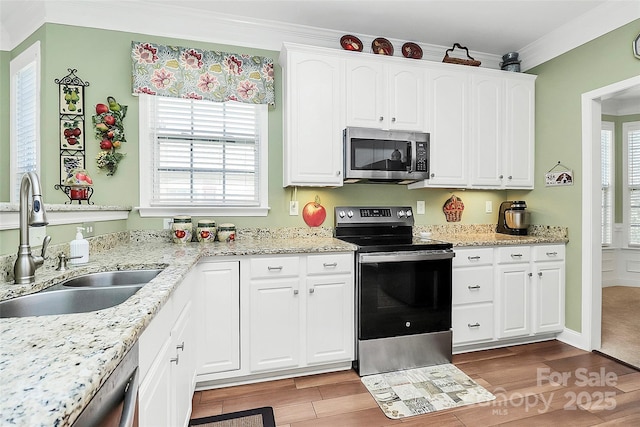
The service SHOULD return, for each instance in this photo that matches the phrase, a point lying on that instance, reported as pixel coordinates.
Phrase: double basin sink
(81, 294)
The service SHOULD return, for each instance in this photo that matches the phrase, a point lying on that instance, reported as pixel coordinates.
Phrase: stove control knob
(400, 213)
(409, 213)
(341, 214)
(350, 214)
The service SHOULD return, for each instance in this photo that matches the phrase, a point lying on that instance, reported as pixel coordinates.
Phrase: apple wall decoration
(314, 213)
(110, 132)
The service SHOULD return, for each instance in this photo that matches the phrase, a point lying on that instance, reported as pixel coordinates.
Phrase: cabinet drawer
(470, 257)
(514, 254)
(472, 323)
(329, 263)
(472, 285)
(274, 267)
(548, 253)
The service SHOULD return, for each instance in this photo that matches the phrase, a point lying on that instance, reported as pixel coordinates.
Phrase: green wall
(559, 88)
(102, 58)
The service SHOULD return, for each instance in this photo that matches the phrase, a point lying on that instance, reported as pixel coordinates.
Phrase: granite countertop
(51, 366)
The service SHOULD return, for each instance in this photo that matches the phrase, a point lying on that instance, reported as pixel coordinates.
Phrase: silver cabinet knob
(501, 176)
(393, 119)
(510, 177)
(295, 292)
(381, 118)
(311, 290)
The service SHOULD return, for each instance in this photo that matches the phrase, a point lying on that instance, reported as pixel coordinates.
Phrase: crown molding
(174, 21)
(584, 28)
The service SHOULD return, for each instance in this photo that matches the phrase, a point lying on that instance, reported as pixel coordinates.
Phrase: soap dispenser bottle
(79, 248)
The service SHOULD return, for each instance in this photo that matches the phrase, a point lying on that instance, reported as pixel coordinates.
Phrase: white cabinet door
(520, 137)
(406, 98)
(217, 299)
(487, 131)
(548, 283)
(329, 317)
(513, 300)
(448, 107)
(183, 366)
(384, 96)
(156, 398)
(274, 324)
(313, 119)
(366, 93)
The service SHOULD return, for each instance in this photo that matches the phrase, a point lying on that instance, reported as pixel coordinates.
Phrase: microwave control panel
(421, 157)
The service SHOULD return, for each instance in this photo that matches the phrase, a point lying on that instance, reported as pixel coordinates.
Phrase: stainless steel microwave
(375, 155)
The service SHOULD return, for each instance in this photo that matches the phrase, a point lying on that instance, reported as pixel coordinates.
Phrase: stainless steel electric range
(403, 290)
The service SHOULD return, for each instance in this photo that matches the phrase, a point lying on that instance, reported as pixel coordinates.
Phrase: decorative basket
(471, 62)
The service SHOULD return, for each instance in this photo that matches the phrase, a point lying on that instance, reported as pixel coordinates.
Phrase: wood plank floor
(542, 384)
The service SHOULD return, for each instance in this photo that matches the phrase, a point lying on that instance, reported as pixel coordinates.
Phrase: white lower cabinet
(548, 282)
(509, 292)
(167, 362)
(472, 296)
(300, 311)
(217, 313)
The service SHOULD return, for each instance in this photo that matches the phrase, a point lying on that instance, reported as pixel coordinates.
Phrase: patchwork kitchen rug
(419, 391)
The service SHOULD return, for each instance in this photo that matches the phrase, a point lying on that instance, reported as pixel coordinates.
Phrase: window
(202, 157)
(631, 143)
(607, 168)
(24, 116)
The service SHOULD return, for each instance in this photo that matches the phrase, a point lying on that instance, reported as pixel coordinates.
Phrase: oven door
(404, 293)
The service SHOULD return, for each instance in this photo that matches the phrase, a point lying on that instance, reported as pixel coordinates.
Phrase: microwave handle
(413, 155)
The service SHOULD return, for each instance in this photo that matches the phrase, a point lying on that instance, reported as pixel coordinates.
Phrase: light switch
(488, 206)
(293, 208)
(420, 207)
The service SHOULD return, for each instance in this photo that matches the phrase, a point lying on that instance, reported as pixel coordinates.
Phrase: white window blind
(25, 120)
(606, 153)
(632, 141)
(205, 154)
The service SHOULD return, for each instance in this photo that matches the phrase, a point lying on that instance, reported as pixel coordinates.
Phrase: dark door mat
(259, 417)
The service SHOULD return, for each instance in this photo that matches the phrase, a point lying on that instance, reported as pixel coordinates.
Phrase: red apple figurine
(109, 119)
(101, 108)
(106, 144)
(314, 213)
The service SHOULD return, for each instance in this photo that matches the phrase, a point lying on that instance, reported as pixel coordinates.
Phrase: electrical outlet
(293, 208)
(488, 206)
(166, 223)
(37, 235)
(420, 207)
(89, 229)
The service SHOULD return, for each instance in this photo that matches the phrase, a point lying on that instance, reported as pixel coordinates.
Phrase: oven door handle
(372, 258)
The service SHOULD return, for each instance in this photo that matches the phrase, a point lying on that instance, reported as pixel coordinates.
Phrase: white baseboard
(571, 337)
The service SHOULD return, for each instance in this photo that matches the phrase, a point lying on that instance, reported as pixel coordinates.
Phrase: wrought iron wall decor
(71, 133)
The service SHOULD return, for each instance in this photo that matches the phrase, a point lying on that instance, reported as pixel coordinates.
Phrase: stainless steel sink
(81, 294)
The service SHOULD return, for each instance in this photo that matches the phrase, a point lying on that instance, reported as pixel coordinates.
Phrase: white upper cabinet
(384, 96)
(481, 121)
(313, 117)
(448, 107)
(519, 141)
(487, 130)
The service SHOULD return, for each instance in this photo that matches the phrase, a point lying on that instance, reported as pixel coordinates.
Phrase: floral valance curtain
(181, 72)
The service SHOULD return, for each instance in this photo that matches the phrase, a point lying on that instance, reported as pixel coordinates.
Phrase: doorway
(591, 319)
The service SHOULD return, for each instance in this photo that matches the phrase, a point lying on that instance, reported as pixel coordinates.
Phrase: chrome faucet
(24, 269)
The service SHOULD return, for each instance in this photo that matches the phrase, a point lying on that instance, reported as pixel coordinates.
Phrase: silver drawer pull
(295, 292)
(175, 360)
(473, 287)
(475, 325)
(278, 268)
(516, 255)
(180, 347)
(473, 258)
(552, 253)
(330, 264)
